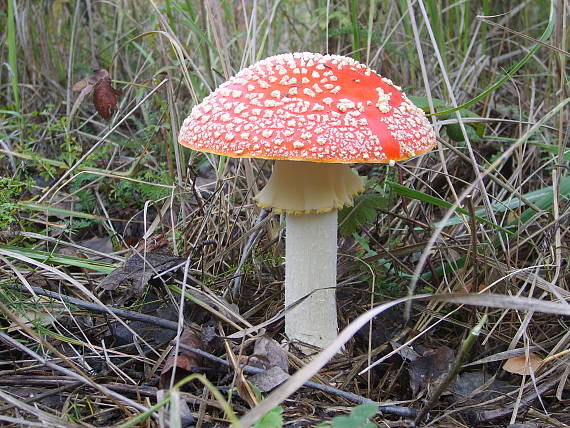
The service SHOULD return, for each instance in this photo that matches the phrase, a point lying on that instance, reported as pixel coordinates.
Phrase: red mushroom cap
(311, 107)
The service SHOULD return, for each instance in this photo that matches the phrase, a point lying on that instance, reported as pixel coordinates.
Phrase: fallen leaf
(155, 336)
(473, 388)
(431, 368)
(87, 89)
(88, 82)
(35, 315)
(519, 364)
(405, 351)
(186, 361)
(104, 95)
(138, 270)
(102, 245)
(269, 379)
(268, 355)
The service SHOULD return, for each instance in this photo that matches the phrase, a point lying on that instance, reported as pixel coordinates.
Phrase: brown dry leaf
(138, 270)
(187, 361)
(473, 388)
(104, 95)
(268, 355)
(86, 86)
(102, 245)
(269, 379)
(430, 369)
(84, 83)
(519, 365)
(405, 351)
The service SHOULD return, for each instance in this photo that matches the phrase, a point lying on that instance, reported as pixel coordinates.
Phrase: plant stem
(465, 348)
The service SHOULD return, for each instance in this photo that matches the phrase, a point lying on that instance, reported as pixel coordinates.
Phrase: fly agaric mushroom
(314, 114)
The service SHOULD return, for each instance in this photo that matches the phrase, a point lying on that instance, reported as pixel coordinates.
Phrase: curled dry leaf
(519, 364)
(104, 95)
(186, 361)
(138, 270)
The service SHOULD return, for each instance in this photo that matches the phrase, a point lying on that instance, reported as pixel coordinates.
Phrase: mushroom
(314, 114)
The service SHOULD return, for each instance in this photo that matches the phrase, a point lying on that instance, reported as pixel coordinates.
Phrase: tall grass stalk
(13, 54)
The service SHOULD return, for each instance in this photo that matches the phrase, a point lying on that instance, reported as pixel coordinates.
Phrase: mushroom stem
(310, 194)
(310, 264)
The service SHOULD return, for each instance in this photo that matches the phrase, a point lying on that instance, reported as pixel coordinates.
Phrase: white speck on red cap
(335, 110)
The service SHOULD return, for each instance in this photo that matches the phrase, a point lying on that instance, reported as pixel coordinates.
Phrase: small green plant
(10, 190)
(363, 211)
(126, 192)
(272, 419)
(85, 194)
(359, 417)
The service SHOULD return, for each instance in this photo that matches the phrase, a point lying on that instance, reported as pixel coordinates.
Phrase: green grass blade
(546, 201)
(424, 197)
(355, 30)
(58, 211)
(60, 259)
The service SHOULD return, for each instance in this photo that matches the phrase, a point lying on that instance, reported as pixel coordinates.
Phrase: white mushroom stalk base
(310, 264)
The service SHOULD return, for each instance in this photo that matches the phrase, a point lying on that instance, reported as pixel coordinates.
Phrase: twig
(43, 395)
(405, 412)
(47, 419)
(77, 376)
(135, 316)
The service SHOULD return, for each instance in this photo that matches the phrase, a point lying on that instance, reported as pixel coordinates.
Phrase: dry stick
(467, 344)
(318, 361)
(47, 419)
(135, 316)
(83, 379)
(43, 395)
(405, 412)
